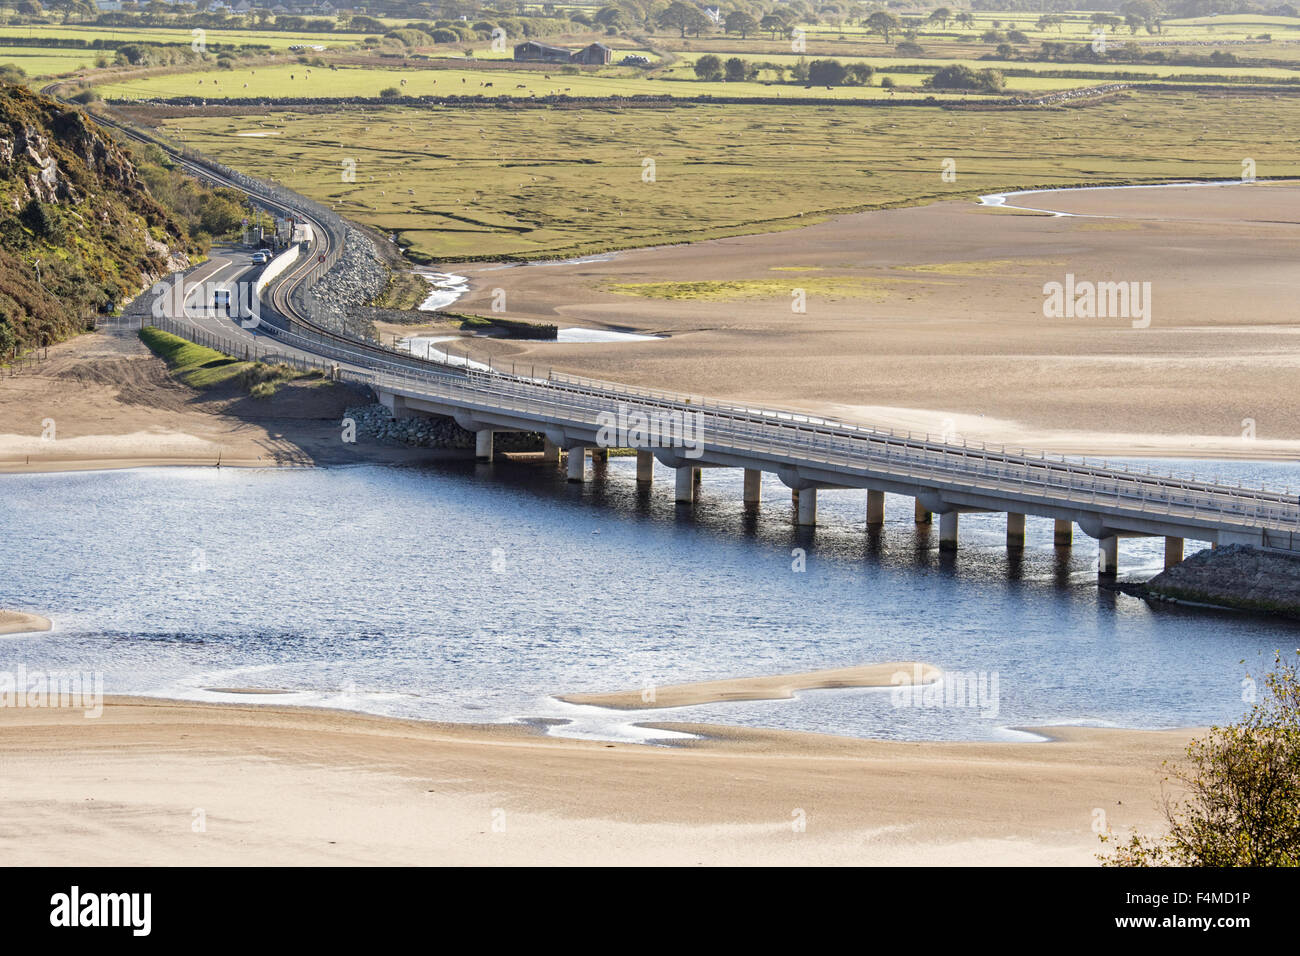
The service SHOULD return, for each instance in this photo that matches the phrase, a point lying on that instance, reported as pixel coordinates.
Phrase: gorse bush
(1239, 803)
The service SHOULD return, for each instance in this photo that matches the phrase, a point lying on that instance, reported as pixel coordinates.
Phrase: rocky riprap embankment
(359, 276)
(1233, 576)
(376, 421)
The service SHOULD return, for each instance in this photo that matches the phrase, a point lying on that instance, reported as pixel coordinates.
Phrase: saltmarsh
(456, 183)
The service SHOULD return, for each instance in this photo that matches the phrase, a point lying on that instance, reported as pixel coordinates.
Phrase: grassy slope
(201, 367)
(195, 365)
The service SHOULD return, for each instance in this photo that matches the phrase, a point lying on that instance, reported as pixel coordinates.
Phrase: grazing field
(297, 80)
(38, 61)
(275, 39)
(539, 183)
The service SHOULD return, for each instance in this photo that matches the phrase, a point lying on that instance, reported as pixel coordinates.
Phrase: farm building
(540, 52)
(595, 55)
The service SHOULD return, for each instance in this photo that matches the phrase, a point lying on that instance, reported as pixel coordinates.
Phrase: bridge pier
(1015, 530)
(550, 450)
(577, 463)
(600, 454)
(685, 484)
(645, 466)
(948, 522)
(1108, 556)
(807, 498)
(1173, 552)
(1063, 535)
(922, 514)
(753, 486)
(875, 509)
(483, 444)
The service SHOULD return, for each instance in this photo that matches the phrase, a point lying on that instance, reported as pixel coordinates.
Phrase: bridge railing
(1074, 463)
(869, 452)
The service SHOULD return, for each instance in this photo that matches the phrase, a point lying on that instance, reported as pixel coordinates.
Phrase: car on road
(261, 257)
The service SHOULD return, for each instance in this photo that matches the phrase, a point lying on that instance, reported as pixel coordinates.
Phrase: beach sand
(159, 782)
(110, 403)
(18, 622)
(778, 687)
(944, 330)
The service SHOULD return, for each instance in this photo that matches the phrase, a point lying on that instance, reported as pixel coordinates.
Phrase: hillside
(82, 227)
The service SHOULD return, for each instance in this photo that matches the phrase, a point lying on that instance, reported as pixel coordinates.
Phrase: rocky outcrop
(72, 200)
(1233, 576)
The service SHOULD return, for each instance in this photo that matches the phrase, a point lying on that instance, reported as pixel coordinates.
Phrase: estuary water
(474, 593)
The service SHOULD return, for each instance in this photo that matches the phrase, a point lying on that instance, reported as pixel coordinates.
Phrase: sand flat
(18, 622)
(771, 687)
(970, 342)
(284, 786)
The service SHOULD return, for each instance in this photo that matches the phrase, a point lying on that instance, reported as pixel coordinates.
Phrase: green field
(678, 80)
(50, 61)
(459, 183)
(275, 39)
(295, 80)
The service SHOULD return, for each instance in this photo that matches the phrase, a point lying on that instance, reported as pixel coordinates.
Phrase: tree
(860, 74)
(1240, 804)
(773, 24)
(738, 70)
(965, 19)
(220, 216)
(738, 21)
(826, 73)
(883, 23)
(960, 77)
(709, 67)
(941, 16)
(683, 17)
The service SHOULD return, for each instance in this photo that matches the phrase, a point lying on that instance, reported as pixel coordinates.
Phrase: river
(473, 593)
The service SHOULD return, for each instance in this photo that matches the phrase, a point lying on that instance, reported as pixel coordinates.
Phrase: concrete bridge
(811, 454)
